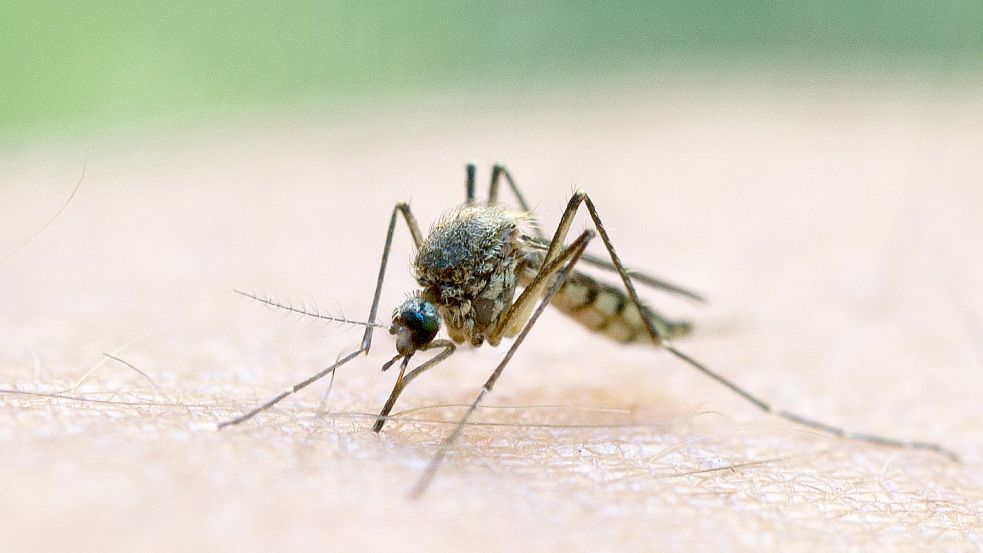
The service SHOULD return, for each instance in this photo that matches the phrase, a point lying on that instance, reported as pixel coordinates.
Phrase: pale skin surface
(837, 235)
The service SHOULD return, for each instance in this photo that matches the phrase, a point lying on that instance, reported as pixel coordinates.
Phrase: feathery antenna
(304, 310)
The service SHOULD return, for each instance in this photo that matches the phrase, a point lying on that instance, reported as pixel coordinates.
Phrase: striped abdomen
(608, 310)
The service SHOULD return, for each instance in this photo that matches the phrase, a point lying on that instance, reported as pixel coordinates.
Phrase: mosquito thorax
(467, 267)
(415, 324)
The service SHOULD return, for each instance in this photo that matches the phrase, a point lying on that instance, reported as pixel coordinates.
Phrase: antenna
(303, 310)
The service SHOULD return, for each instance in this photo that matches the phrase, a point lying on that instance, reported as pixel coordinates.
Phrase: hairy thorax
(467, 267)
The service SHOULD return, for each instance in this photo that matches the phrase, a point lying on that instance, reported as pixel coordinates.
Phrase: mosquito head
(415, 324)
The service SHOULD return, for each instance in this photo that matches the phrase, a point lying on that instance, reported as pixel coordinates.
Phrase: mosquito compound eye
(421, 318)
(416, 323)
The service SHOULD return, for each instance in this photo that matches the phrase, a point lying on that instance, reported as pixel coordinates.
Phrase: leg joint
(576, 199)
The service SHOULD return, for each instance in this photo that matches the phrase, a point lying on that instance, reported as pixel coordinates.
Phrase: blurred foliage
(67, 64)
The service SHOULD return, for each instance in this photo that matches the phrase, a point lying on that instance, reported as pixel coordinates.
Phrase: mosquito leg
(515, 316)
(637, 276)
(404, 209)
(404, 381)
(572, 207)
(292, 390)
(560, 268)
(469, 184)
(864, 437)
(499, 171)
(401, 208)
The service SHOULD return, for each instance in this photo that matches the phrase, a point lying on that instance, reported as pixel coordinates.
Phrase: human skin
(835, 234)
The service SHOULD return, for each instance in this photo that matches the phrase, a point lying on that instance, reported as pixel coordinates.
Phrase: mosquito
(470, 267)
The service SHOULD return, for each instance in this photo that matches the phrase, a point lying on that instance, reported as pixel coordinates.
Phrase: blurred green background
(68, 67)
